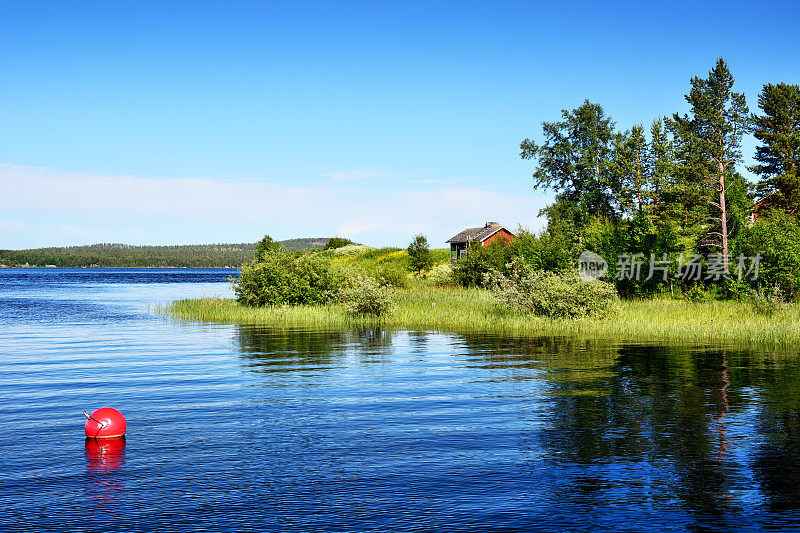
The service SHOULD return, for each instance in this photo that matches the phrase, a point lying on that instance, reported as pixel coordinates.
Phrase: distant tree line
(123, 255)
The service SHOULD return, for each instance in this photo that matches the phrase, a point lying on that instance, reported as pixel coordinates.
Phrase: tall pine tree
(708, 142)
(778, 157)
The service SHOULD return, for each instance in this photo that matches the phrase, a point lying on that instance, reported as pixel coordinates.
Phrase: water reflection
(713, 431)
(278, 350)
(777, 458)
(696, 413)
(104, 484)
(279, 429)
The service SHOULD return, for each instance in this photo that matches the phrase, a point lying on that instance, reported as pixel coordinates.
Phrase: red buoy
(105, 423)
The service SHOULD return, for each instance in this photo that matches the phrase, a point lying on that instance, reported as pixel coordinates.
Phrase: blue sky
(198, 122)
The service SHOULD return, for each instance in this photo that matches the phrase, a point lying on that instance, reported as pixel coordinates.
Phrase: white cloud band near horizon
(46, 207)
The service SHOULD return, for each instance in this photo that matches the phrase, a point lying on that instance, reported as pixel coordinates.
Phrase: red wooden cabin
(485, 235)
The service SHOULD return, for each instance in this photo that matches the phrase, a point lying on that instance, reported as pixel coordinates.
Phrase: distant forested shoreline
(125, 255)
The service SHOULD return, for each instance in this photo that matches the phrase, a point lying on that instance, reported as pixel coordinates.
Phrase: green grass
(475, 311)
(371, 259)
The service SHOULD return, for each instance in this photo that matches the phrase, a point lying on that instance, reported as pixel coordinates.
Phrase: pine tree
(661, 161)
(631, 166)
(708, 142)
(778, 129)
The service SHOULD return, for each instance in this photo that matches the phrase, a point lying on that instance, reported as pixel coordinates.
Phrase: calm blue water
(256, 429)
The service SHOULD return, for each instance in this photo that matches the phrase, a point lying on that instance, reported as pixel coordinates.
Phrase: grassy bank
(475, 311)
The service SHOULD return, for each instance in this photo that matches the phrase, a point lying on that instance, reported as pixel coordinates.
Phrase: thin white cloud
(369, 173)
(44, 207)
(11, 225)
(433, 181)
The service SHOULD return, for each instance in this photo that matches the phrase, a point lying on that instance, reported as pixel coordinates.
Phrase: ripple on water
(240, 428)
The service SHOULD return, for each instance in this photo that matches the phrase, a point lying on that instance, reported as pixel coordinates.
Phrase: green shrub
(283, 278)
(419, 254)
(392, 276)
(336, 242)
(441, 275)
(766, 302)
(698, 293)
(365, 296)
(549, 294)
(777, 239)
(638, 235)
(546, 251)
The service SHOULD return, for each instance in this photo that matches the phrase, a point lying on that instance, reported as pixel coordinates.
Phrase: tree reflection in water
(713, 420)
(712, 431)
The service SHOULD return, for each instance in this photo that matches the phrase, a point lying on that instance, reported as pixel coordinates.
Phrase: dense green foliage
(277, 276)
(392, 276)
(643, 235)
(776, 238)
(266, 247)
(285, 278)
(549, 294)
(471, 269)
(768, 302)
(669, 197)
(549, 251)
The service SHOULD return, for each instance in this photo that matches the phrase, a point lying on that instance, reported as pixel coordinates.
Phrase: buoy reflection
(104, 458)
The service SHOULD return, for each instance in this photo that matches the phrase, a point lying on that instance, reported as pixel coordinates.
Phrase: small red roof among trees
(486, 234)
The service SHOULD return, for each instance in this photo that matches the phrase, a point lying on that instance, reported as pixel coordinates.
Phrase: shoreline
(723, 323)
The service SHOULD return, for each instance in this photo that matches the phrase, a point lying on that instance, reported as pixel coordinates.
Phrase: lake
(236, 428)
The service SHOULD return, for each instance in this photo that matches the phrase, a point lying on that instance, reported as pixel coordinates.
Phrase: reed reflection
(285, 350)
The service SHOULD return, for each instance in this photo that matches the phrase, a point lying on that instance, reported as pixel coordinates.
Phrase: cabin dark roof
(477, 234)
